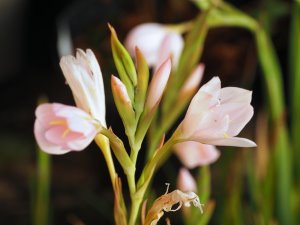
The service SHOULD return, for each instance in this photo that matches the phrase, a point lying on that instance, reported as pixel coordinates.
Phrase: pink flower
(84, 76)
(215, 116)
(158, 84)
(156, 42)
(59, 128)
(185, 181)
(193, 154)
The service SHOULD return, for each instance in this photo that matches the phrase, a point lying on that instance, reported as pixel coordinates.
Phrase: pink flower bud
(185, 181)
(215, 116)
(158, 84)
(193, 81)
(59, 128)
(193, 154)
(120, 89)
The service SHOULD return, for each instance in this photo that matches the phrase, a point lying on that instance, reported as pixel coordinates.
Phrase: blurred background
(33, 36)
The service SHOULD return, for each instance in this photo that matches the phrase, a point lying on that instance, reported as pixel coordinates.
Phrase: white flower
(84, 76)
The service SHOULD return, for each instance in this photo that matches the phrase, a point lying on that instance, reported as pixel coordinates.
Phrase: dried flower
(166, 202)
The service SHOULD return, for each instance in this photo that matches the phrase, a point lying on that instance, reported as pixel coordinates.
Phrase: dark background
(29, 69)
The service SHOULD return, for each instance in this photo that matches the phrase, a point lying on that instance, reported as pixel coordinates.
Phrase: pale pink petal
(185, 181)
(148, 38)
(238, 119)
(228, 141)
(213, 125)
(158, 84)
(193, 154)
(171, 46)
(59, 128)
(212, 87)
(234, 94)
(196, 112)
(44, 144)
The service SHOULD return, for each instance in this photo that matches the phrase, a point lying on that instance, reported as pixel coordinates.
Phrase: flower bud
(123, 102)
(158, 84)
(185, 181)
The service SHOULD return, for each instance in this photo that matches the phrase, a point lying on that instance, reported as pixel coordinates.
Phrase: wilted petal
(185, 181)
(193, 154)
(59, 128)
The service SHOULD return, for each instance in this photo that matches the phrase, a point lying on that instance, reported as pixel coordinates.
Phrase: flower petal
(230, 141)
(193, 154)
(44, 144)
(148, 38)
(185, 181)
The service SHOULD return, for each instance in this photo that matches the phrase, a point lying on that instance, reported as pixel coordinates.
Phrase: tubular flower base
(59, 128)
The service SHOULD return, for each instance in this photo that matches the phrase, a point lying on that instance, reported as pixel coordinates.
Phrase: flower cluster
(215, 115)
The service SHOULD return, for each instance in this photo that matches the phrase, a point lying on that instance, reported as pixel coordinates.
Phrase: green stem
(295, 82)
(103, 143)
(273, 80)
(41, 206)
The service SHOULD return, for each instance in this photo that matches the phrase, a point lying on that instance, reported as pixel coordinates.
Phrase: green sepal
(142, 84)
(124, 63)
(118, 150)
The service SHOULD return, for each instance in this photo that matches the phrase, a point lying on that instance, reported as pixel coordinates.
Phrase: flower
(193, 154)
(59, 128)
(215, 116)
(156, 42)
(185, 181)
(84, 76)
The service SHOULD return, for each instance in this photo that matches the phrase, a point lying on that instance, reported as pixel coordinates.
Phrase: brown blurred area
(29, 69)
